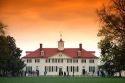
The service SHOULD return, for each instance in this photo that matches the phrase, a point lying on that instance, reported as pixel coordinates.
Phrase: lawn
(61, 80)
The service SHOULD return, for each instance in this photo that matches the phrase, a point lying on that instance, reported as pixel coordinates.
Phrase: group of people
(61, 73)
(31, 73)
(101, 73)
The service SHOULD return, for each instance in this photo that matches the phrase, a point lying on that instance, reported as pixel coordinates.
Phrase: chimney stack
(41, 50)
(79, 53)
(80, 47)
(41, 47)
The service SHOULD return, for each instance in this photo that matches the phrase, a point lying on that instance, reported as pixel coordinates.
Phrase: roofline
(71, 57)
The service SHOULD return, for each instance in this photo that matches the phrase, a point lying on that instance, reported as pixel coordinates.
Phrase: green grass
(61, 80)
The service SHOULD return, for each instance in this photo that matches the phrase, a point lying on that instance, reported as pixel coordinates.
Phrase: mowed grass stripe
(61, 80)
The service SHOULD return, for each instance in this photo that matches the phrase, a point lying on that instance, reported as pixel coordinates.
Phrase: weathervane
(60, 35)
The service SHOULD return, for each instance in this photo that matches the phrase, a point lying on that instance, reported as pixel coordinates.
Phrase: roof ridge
(72, 52)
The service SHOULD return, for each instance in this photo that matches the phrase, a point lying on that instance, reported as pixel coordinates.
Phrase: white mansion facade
(58, 61)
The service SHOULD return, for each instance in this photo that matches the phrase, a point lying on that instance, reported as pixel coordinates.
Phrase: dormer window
(42, 53)
(79, 53)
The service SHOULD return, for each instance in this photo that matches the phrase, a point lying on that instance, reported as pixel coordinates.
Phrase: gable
(60, 55)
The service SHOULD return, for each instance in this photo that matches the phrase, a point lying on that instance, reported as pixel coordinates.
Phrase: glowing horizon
(32, 22)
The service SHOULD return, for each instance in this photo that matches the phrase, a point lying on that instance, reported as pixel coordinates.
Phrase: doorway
(60, 72)
(83, 72)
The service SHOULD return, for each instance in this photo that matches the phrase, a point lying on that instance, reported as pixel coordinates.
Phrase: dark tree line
(10, 62)
(112, 33)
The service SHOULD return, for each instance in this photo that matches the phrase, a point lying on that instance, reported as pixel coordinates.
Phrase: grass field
(61, 80)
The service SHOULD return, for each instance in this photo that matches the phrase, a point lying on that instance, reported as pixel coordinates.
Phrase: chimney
(80, 47)
(41, 50)
(41, 47)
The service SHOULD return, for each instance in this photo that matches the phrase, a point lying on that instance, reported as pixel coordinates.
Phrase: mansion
(61, 61)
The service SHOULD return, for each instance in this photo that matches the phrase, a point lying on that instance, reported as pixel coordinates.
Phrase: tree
(15, 63)
(2, 27)
(3, 55)
(10, 61)
(112, 33)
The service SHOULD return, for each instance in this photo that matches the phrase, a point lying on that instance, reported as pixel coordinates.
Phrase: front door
(83, 71)
(60, 72)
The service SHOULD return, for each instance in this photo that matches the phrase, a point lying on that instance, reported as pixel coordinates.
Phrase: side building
(61, 61)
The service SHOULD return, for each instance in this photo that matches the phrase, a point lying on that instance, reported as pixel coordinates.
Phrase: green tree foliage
(112, 33)
(10, 62)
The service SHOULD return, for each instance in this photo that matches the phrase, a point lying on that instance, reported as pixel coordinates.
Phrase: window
(42, 53)
(54, 69)
(69, 60)
(47, 60)
(75, 69)
(72, 69)
(46, 68)
(69, 68)
(83, 61)
(91, 68)
(75, 60)
(29, 68)
(37, 60)
(54, 60)
(79, 53)
(91, 61)
(60, 60)
(29, 60)
(51, 68)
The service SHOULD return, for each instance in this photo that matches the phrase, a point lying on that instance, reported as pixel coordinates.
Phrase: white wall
(41, 65)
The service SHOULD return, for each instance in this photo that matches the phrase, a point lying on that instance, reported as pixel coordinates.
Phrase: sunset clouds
(33, 21)
(52, 10)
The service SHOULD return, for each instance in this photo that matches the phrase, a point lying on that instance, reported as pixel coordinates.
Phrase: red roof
(71, 52)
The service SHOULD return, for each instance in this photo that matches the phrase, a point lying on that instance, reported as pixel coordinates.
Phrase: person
(37, 72)
(98, 73)
(33, 73)
(93, 73)
(64, 73)
(25, 73)
(45, 72)
(102, 73)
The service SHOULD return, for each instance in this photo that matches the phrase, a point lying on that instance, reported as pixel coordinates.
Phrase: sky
(32, 22)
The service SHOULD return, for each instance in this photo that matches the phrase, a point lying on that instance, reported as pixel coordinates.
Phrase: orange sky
(32, 22)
